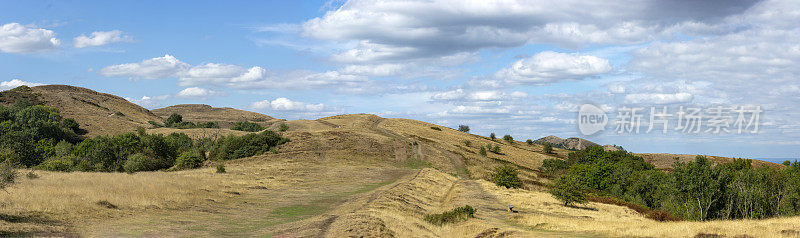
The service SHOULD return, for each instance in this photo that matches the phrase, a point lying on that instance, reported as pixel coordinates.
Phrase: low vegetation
(463, 128)
(234, 147)
(508, 139)
(547, 147)
(176, 121)
(506, 176)
(456, 215)
(697, 190)
(436, 128)
(248, 126)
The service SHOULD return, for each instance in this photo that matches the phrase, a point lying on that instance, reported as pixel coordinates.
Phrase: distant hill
(665, 161)
(572, 143)
(225, 116)
(97, 113)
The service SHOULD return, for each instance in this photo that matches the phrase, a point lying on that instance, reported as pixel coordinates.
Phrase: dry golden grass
(665, 161)
(224, 116)
(98, 113)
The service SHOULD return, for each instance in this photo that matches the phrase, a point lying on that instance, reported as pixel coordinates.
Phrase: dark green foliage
(506, 176)
(221, 168)
(467, 143)
(569, 190)
(492, 136)
(71, 124)
(508, 139)
(188, 160)
(547, 148)
(140, 162)
(529, 142)
(62, 164)
(554, 166)
(28, 133)
(173, 119)
(697, 190)
(495, 149)
(247, 126)
(463, 128)
(436, 128)
(787, 163)
(482, 152)
(283, 127)
(456, 215)
(234, 147)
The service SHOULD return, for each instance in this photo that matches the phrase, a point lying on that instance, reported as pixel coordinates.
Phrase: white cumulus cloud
(159, 67)
(658, 98)
(5, 85)
(16, 38)
(196, 92)
(548, 66)
(99, 38)
(285, 104)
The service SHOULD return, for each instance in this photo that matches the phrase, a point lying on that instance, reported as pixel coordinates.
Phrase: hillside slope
(97, 113)
(225, 116)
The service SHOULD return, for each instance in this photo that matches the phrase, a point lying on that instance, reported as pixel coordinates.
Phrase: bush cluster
(28, 133)
(506, 176)
(234, 147)
(176, 121)
(696, 190)
(456, 215)
(247, 126)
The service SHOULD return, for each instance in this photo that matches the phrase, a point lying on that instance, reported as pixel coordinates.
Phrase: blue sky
(509, 67)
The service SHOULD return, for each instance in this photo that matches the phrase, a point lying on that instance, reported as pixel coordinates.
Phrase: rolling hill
(97, 113)
(224, 116)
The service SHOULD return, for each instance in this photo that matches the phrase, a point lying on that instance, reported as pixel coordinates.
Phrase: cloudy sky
(510, 67)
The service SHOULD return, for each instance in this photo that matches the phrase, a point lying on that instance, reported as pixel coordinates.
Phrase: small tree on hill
(174, 119)
(547, 148)
(495, 149)
(463, 128)
(508, 139)
(569, 190)
(529, 142)
(492, 136)
(482, 152)
(506, 176)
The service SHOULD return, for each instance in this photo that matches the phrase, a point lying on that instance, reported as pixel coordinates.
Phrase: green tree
(463, 128)
(506, 176)
(482, 151)
(247, 126)
(700, 185)
(569, 190)
(492, 136)
(174, 120)
(529, 142)
(508, 139)
(547, 148)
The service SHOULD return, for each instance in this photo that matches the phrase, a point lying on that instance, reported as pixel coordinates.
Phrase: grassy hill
(224, 116)
(97, 113)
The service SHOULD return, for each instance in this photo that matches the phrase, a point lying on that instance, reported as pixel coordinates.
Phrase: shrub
(547, 148)
(529, 142)
(787, 163)
(508, 139)
(506, 176)
(283, 127)
(63, 148)
(188, 160)
(569, 190)
(456, 215)
(62, 164)
(234, 147)
(495, 149)
(467, 143)
(463, 128)
(552, 166)
(436, 128)
(246, 126)
(482, 152)
(31, 175)
(210, 124)
(221, 168)
(492, 136)
(140, 162)
(173, 119)
(71, 124)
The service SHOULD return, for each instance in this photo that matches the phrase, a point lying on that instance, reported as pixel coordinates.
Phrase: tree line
(37, 136)
(696, 190)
